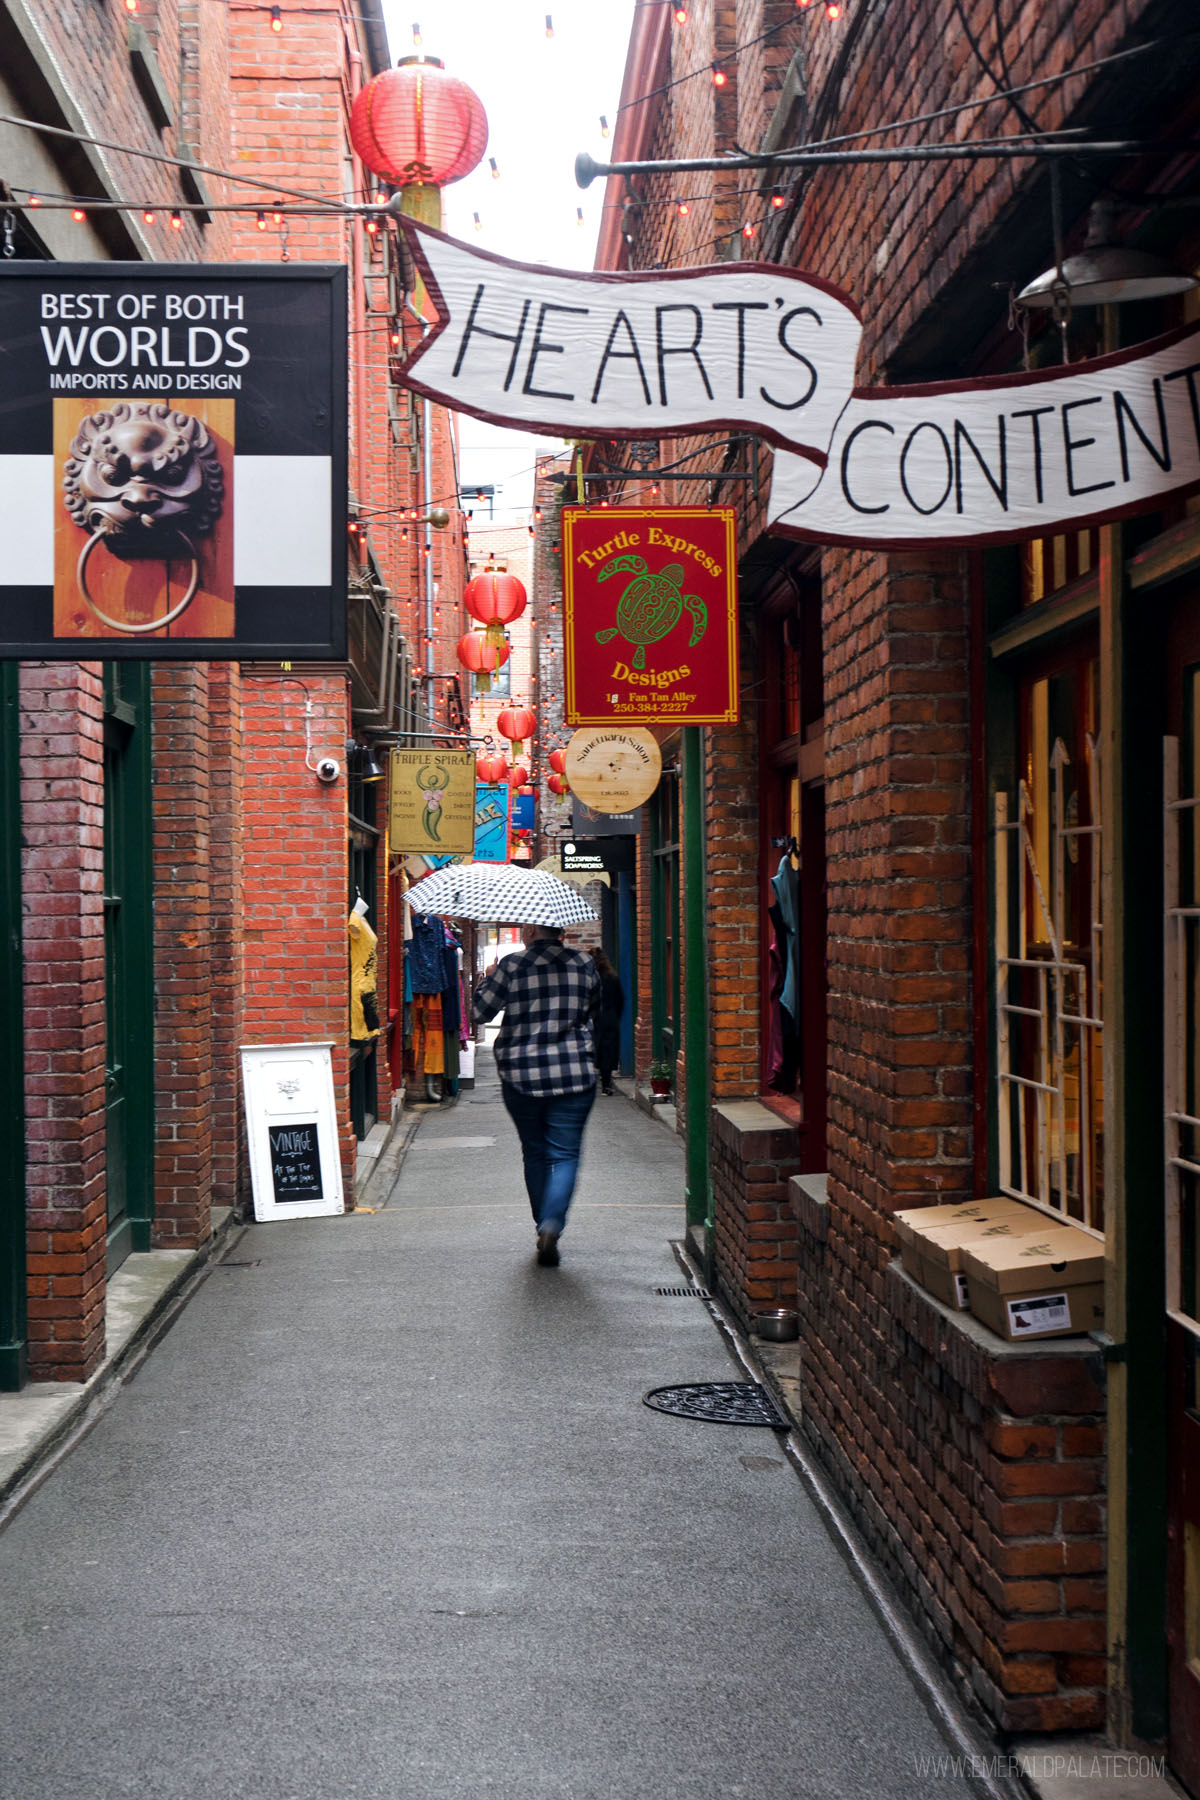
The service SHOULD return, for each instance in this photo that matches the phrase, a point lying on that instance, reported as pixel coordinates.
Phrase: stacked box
(932, 1240)
(1048, 1283)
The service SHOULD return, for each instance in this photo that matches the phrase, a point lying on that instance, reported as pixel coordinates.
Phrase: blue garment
(550, 1128)
(785, 885)
(424, 954)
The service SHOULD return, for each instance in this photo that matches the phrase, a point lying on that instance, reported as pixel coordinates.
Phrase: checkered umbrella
(501, 894)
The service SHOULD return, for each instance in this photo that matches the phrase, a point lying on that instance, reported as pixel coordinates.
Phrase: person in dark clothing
(545, 1055)
(608, 1025)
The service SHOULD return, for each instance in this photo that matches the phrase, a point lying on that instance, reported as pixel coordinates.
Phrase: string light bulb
(719, 76)
(418, 40)
(748, 229)
(35, 200)
(260, 219)
(176, 221)
(681, 15)
(549, 26)
(778, 200)
(494, 166)
(78, 214)
(682, 208)
(603, 126)
(833, 10)
(478, 221)
(131, 6)
(579, 215)
(149, 217)
(276, 20)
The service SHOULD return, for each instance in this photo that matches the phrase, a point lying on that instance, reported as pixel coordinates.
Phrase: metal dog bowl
(778, 1327)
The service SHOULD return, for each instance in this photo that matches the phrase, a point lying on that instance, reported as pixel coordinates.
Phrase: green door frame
(695, 954)
(12, 1043)
(129, 928)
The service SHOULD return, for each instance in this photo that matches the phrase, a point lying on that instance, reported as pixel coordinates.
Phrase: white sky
(543, 98)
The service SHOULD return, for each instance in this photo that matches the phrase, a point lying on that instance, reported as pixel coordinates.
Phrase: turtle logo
(431, 781)
(651, 606)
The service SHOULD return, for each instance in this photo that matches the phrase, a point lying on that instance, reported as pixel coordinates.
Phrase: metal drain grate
(683, 1293)
(719, 1403)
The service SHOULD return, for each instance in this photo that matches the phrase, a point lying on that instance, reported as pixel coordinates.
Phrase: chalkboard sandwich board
(291, 1124)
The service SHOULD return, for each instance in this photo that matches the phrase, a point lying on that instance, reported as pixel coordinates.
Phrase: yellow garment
(363, 975)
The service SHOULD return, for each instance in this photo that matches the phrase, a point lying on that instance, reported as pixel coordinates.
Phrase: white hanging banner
(752, 347)
(746, 346)
(1003, 458)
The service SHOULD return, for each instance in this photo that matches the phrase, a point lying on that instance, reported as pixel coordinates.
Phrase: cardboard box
(914, 1226)
(1049, 1283)
(931, 1238)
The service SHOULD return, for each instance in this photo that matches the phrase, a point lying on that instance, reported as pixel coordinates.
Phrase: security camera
(328, 769)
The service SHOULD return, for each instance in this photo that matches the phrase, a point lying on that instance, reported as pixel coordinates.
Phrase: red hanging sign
(650, 615)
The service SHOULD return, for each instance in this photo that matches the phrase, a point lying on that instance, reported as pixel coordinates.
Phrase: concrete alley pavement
(383, 1517)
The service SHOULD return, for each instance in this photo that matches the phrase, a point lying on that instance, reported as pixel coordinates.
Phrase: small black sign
(612, 855)
(295, 1162)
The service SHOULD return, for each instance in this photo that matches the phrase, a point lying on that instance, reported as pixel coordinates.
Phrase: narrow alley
(383, 1517)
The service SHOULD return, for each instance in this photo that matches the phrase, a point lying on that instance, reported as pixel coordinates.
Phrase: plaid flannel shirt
(550, 997)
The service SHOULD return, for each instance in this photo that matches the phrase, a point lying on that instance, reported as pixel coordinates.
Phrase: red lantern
(495, 600)
(558, 761)
(491, 769)
(518, 776)
(558, 784)
(416, 125)
(483, 659)
(517, 723)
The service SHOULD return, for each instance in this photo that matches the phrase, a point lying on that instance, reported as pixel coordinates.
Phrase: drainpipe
(358, 303)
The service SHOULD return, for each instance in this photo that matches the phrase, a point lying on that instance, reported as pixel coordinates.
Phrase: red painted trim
(647, 69)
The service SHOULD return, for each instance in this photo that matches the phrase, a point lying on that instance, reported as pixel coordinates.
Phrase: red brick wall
(294, 870)
(226, 888)
(62, 808)
(977, 1478)
(184, 995)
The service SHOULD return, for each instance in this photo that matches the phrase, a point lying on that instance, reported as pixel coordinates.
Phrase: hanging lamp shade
(491, 769)
(416, 125)
(495, 599)
(558, 761)
(516, 723)
(475, 653)
(1107, 272)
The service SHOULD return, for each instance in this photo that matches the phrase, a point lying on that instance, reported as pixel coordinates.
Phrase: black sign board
(587, 822)
(173, 461)
(610, 855)
(295, 1162)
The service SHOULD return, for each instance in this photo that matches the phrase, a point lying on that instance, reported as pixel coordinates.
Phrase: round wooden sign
(613, 768)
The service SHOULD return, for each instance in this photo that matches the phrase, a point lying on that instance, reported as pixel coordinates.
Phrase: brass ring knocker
(151, 624)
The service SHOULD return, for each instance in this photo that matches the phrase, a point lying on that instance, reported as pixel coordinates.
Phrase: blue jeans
(550, 1128)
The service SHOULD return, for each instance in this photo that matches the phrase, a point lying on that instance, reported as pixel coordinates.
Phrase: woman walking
(608, 1027)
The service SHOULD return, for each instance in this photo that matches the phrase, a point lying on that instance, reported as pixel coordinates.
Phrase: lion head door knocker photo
(145, 482)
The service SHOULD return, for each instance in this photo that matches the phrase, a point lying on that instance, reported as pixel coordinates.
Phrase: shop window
(793, 856)
(1181, 993)
(1048, 1040)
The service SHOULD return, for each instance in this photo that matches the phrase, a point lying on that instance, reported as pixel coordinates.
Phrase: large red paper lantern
(558, 761)
(491, 769)
(495, 599)
(516, 723)
(483, 659)
(416, 125)
(558, 784)
(518, 776)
